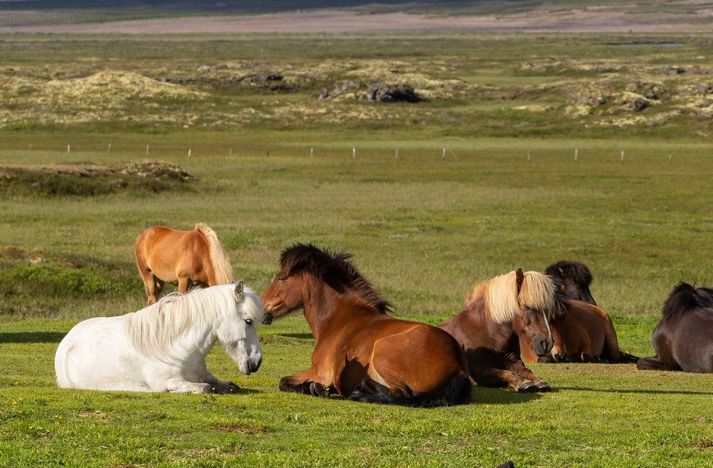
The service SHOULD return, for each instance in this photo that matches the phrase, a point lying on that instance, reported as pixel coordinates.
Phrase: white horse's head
(238, 330)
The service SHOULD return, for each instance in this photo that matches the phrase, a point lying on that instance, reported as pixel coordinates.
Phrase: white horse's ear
(239, 291)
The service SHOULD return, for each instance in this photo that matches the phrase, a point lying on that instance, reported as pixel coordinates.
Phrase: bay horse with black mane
(583, 332)
(184, 258)
(361, 352)
(497, 311)
(683, 339)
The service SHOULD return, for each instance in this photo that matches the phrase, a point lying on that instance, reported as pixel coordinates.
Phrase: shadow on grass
(645, 392)
(31, 337)
(501, 396)
(301, 336)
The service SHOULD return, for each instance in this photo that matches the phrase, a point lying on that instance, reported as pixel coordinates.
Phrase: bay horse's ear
(519, 278)
(239, 291)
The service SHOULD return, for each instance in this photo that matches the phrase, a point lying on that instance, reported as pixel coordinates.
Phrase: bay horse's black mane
(333, 268)
(577, 272)
(685, 298)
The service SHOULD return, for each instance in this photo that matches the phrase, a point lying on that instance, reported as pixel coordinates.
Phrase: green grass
(421, 228)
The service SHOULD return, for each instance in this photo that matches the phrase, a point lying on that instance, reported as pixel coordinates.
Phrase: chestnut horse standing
(184, 258)
(683, 339)
(497, 312)
(361, 352)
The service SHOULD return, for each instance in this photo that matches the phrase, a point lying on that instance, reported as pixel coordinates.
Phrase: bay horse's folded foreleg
(492, 377)
(306, 382)
(518, 368)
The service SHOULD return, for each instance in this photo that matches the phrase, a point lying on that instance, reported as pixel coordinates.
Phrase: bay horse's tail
(611, 343)
(222, 270)
(455, 392)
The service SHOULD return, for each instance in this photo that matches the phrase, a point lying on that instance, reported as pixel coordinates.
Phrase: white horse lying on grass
(163, 346)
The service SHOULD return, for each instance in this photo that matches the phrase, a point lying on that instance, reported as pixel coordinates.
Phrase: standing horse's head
(237, 331)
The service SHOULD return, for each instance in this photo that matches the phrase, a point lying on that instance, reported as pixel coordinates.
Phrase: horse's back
(691, 340)
(88, 356)
(595, 323)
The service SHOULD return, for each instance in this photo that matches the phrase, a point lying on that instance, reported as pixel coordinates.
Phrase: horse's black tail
(456, 391)
(627, 358)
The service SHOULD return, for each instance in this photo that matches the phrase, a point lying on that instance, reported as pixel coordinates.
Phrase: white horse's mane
(154, 329)
(503, 303)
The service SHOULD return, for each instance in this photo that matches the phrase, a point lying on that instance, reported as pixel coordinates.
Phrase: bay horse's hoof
(527, 387)
(543, 387)
(318, 390)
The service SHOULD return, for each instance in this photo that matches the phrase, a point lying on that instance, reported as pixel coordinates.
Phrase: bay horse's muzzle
(267, 318)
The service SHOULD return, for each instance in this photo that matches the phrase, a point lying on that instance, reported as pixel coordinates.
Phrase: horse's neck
(199, 339)
(324, 307)
(477, 328)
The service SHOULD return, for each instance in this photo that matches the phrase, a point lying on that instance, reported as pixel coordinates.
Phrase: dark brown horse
(573, 280)
(361, 352)
(582, 333)
(184, 258)
(497, 312)
(683, 339)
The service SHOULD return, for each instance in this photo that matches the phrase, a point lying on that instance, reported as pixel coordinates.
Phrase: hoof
(286, 386)
(543, 387)
(527, 387)
(318, 390)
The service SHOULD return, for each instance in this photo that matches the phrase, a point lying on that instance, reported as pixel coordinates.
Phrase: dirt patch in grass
(86, 180)
(241, 428)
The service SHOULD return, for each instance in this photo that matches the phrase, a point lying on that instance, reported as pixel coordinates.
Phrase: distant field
(306, 16)
(423, 228)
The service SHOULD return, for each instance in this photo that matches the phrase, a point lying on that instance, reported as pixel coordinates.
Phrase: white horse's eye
(249, 321)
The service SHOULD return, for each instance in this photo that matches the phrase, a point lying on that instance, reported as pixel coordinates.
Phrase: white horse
(163, 346)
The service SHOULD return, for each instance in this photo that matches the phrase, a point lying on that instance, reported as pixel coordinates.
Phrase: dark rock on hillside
(385, 92)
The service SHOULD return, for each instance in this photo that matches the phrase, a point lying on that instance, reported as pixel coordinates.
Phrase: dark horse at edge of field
(361, 352)
(683, 339)
(184, 258)
(496, 313)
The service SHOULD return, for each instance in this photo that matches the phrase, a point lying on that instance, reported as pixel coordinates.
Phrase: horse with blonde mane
(163, 346)
(496, 313)
(584, 332)
(184, 258)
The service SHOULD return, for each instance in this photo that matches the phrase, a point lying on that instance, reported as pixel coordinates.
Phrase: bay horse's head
(302, 263)
(527, 300)
(573, 280)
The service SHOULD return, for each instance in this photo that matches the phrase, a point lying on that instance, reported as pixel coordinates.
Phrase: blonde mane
(154, 330)
(218, 258)
(503, 303)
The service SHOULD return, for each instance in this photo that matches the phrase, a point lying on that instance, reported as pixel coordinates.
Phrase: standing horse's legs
(153, 289)
(184, 282)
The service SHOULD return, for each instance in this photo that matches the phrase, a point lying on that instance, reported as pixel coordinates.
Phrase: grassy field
(422, 228)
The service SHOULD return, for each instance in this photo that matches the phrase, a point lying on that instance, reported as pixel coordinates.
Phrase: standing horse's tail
(222, 270)
(456, 391)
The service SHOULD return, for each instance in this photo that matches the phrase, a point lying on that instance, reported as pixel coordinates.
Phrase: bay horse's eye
(249, 321)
